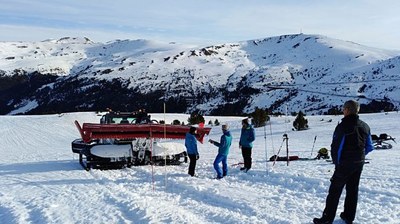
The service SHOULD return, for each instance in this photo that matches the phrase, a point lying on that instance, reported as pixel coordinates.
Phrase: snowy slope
(314, 74)
(41, 180)
(47, 57)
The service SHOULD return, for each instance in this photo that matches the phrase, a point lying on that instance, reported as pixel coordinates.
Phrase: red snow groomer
(125, 139)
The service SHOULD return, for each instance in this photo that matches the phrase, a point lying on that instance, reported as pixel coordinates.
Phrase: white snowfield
(41, 180)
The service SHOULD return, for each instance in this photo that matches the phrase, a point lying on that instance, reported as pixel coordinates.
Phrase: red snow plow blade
(91, 131)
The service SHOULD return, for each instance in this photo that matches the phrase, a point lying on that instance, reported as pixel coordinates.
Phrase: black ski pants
(345, 175)
(192, 164)
(246, 153)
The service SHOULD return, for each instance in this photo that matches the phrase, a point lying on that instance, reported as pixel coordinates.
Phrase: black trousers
(246, 153)
(192, 164)
(345, 175)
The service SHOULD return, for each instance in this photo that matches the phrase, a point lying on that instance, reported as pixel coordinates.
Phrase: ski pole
(312, 149)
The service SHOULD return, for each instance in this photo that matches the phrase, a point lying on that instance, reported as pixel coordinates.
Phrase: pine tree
(216, 122)
(195, 118)
(300, 123)
(260, 117)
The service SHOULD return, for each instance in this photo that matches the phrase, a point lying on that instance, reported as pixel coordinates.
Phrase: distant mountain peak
(74, 40)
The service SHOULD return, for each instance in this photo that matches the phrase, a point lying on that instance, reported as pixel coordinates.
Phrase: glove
(197, 157)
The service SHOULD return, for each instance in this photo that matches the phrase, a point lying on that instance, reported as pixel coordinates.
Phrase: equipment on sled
(380, 142)
(323, 154)
(130, 139)
(283, 158)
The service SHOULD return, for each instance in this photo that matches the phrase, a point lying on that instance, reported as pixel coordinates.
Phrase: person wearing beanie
(191, 148)
(351, 142)
(247, 136)
(223, 151)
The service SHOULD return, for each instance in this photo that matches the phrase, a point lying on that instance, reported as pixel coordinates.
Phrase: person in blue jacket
(247, 136)
(191, 149)
(223, 151)
(351, 142)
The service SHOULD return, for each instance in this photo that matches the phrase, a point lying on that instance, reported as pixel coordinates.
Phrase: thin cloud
(366, 22)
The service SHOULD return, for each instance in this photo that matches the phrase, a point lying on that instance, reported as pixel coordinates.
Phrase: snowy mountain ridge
(311, 73)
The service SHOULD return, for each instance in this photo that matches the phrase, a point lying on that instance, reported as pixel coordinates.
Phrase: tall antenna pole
(165, 137)
(165, 153)
(151, 159)
(285, 136)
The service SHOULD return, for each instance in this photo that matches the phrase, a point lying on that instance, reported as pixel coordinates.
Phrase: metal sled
(380, 142)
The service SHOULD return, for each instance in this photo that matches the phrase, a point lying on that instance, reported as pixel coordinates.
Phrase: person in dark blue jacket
(247, 136)
(191, 148)
(223, 151)
(351, 142)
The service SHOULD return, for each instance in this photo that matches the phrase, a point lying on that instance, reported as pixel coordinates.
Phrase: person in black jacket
(351, 142)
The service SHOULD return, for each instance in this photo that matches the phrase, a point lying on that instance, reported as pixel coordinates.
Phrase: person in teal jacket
(223, 151)
(191, 148)
(247, 137)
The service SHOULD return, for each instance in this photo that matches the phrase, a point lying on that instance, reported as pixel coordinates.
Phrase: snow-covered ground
(41, 180)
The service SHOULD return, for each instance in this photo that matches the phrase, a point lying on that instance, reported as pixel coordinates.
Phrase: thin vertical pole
(265, 143)
(165, 154)
(287, 149)
(286, 136)
(151, 160)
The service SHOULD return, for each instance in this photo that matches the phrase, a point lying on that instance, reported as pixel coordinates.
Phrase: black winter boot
(321, 220)
(345, 219)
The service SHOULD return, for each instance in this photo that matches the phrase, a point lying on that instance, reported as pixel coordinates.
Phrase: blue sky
(369, 22)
